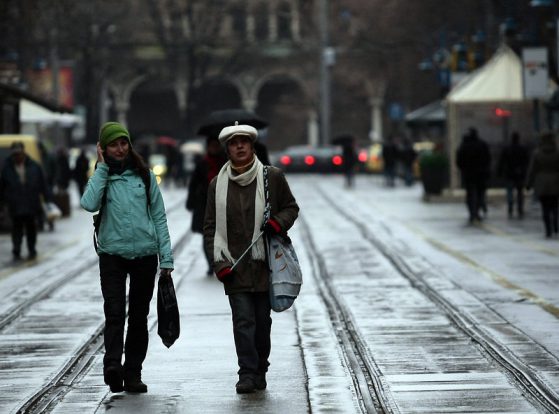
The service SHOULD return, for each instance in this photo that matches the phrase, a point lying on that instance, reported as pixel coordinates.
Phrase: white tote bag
(285, 273)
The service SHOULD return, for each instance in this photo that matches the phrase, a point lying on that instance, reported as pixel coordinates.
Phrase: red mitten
(272, 227)
(225, 274)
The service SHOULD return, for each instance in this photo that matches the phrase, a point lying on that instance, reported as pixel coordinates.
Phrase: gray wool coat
(543, 172)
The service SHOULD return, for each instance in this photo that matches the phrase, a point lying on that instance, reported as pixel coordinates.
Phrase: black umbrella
(218, 120)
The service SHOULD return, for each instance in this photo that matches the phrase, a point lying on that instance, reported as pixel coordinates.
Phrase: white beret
(229, 132)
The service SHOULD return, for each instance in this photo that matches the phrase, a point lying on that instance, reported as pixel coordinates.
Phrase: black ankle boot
(133, 383)
(245, 385)
(113, 378)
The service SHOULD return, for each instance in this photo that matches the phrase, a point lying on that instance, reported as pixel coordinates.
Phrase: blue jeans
(114, 271)
(252, 325)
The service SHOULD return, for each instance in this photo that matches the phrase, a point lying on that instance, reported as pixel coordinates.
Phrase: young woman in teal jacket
(133, 235)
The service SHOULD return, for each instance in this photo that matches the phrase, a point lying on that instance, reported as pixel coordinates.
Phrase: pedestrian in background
(234, 219)
(543, 175)
(81, 170)
(62, 179)
(132, 234)
(22, 184)
(474, 161)
(349, 155)
(512, 165)
(407, 156)
(205, 170)
(390, 160)
(49, 171)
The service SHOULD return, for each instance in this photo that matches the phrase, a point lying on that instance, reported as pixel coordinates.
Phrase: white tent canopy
(30, 112)
(500, 79)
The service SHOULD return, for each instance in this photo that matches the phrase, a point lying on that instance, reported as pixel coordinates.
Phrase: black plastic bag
(168, 321)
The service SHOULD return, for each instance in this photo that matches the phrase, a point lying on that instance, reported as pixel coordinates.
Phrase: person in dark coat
(407, 156)
(63, 172)
(512, 165)
(22, 183)
(474, 161)
(234, 219)
(390, 160)
(81, 170)
(543, 175)
(205, 170)
(49, 171)
(349, 155)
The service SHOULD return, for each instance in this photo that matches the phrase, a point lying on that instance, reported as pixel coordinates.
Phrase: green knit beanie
(110, 132)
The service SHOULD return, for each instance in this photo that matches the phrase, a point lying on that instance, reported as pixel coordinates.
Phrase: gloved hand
(271, 227)
(225, 274)
(165, 272)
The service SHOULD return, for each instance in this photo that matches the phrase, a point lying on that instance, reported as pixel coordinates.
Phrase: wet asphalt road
(500, 277)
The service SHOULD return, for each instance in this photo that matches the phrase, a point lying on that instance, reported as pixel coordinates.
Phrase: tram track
(62, 279)
(520, 374)
(372, 393)
(60, 383)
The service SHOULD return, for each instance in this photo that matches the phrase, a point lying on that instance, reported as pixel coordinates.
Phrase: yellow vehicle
(30, 143)
(374, 162)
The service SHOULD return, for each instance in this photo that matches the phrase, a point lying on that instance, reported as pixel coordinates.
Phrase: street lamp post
(326, 61)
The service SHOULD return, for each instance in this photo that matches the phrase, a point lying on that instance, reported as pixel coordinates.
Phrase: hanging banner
(40, 83)
(535, 72)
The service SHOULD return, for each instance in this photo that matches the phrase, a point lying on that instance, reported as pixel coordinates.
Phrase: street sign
(535, 72)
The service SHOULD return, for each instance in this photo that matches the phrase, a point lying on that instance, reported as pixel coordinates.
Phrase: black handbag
(168, 320)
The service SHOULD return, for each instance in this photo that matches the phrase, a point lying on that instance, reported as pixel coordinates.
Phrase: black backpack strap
(97, 217)
(146, 178)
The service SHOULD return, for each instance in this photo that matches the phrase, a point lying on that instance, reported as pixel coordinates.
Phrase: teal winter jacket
(128, 227)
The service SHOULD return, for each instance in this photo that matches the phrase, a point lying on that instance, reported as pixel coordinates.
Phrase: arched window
(261, 16)
(284, 21)
(238, 14)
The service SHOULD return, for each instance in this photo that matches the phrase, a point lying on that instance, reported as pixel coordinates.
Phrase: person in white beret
(234, 219)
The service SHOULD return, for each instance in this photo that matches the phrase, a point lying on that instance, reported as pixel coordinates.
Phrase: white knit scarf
(221, 247)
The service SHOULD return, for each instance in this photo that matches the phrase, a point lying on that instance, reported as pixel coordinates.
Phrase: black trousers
(114, 271)
(475, 197)
(252, 325)
(517, 186)
(18, 224)
(550, 205)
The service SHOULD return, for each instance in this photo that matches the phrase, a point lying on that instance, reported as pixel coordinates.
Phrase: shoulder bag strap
(267, 207)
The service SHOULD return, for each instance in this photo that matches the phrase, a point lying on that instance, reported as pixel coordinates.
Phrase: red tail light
(337, 160)
(285, 160)
(363, 156)
(309, 160)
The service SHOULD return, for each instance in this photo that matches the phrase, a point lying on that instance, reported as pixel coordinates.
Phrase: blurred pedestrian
(390, 160)
(22, 184)
(234, 219)
(407, 156)
(205, 170)
(261, 151)
(543, 175)
(49, 171)
(349, 155)
(63, 172)
(474, 161)
(62, 179)
(512, 165)
(132, 234)
(81, 170)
